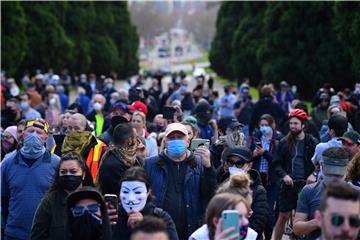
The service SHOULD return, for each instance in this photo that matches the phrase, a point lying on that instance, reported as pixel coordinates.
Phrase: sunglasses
(79, 211)
(238, 164)
(337, 220)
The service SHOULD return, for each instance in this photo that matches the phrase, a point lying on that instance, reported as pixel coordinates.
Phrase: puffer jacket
(259, 218)
(199, 186)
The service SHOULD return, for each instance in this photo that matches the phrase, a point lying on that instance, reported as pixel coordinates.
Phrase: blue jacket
(199, 186)
(22, 188)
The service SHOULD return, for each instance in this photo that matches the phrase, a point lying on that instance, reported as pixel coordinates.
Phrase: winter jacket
(199, 186)
(50, 217)
(268, 155)
(122, 231)
(282, 158)
(110, 173)
(259, 218)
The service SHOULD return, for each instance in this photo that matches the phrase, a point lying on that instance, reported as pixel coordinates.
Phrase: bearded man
(292, 163)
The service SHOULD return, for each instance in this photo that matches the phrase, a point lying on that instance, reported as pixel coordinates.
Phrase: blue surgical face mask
(109, 85)
(265, 130)
(234, 170)
(176, 147)
(33, 146)
(24, 105)
(183, 88)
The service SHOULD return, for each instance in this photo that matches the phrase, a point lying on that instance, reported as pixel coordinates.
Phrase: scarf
(126, 154)
(76, 141)
(234, 139)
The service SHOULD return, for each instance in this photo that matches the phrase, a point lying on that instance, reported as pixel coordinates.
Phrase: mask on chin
(133, 195)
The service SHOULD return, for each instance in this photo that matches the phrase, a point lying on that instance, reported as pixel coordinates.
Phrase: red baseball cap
(138, 106)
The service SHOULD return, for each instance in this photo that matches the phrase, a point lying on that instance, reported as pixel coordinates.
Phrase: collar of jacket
(190, 160)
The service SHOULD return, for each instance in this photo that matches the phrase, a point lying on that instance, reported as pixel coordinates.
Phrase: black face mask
(204, 117)
(86, 226)
(70, 182)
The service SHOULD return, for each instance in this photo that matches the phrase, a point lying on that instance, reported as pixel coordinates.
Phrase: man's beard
(295, 133)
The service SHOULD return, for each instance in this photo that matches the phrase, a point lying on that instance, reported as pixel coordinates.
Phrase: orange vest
(93, 159)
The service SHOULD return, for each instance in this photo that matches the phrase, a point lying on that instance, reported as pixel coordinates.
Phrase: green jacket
(50, 217)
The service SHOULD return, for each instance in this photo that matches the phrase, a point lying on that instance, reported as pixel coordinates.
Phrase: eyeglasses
(238, 164)
(337, 220)
(80, 210)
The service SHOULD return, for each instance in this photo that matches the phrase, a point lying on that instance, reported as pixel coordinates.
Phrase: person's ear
(215, 220)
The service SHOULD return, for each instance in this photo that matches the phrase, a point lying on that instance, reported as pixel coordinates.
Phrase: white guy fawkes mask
(133, 195)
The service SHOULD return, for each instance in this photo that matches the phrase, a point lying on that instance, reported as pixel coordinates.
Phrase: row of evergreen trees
(304, 43)
(86, 37)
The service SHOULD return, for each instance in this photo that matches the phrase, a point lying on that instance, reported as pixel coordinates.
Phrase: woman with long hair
(50, 216)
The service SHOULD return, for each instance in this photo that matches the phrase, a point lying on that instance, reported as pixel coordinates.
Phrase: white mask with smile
(133, 195)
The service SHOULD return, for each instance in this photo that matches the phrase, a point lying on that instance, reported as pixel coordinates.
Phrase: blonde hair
(238, 184)
(353, 167)
(140, 114)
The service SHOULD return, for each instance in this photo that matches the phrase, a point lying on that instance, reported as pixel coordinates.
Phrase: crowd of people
(271, 161)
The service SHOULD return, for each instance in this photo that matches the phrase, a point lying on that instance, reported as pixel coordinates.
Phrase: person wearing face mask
(263, 145)
(25, 177)
(182, 181)
(50, 216)
(230, 135)
(97, 115)
(9, 141)
(319, 113)
(239, 160)
(27, 111)
(107, 91)
(87, 216)
(136, 204)
(334, 167)
(212, 229)
(120, 156)
(208, 127)
(80, 140)
(292, 163)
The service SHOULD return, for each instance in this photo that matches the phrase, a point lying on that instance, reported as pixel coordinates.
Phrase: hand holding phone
(197, 142)
(230, 219)
(112, 204)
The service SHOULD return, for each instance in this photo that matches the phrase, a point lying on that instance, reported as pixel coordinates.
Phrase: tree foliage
(82, 36)
(304, 43)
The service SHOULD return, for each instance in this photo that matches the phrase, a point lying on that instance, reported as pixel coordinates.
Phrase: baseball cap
(84, 193)
(338, 123)
(228, 122)
(138, 106)
(240, 151)
(202, 107)
(334, 165)
(351, 137)
(176, 127)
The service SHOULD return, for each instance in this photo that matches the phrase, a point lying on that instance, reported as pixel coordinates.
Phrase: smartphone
(231, 219)
(197, 142)
(258, 144)
(168, 112)
(113, 200)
